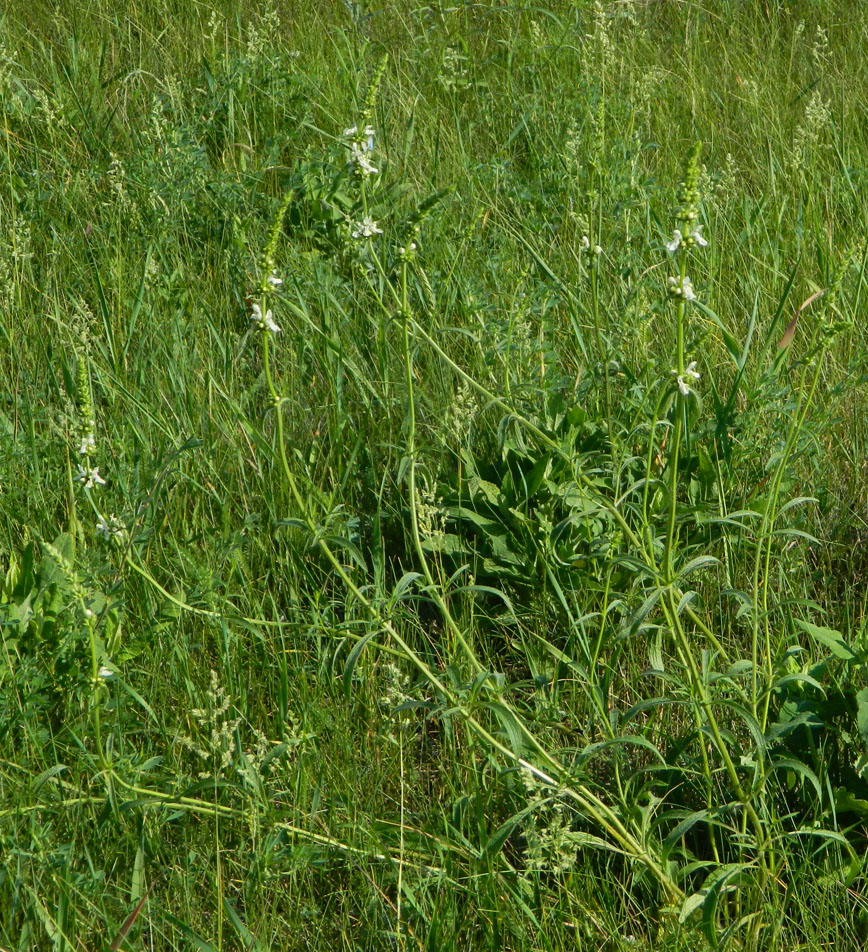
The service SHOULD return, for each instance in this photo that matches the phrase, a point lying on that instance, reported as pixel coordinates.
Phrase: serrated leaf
(690, 905)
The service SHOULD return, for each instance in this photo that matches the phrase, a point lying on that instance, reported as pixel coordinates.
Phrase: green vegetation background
(198, 710)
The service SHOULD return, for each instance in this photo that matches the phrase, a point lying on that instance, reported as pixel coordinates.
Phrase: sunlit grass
(410, 538)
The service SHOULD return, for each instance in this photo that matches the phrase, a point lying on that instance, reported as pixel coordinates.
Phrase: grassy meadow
(433, 476)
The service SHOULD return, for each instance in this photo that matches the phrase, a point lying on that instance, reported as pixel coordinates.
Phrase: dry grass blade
(790, 332)
(118, 940)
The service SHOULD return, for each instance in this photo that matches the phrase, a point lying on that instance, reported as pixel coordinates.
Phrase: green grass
(445, 618)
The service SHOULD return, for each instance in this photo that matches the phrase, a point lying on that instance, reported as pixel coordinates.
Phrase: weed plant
(432, 478)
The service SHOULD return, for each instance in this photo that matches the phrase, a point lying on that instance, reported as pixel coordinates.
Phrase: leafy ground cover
(432, 479)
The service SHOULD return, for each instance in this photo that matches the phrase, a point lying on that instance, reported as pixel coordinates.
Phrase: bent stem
(594, 807)
(433, 589)
(762, 562)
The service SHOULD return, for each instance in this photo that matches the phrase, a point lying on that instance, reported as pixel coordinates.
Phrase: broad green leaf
(404, 584)
(446, 543)
(797, 767)
(47, 775)
(847, 802)
(634, 740)
(694, 565)
(250, 941)
(862, 715)
(196, 940)
(833, 640)
(690, 905)
(352, 660)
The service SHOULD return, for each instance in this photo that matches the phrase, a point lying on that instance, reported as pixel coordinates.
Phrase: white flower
(360, 160)
(90, 477)
(585, 243)
(403, 252)
(368, 132)
(681, 287)
(367, 228)
(109, 528)
(691, 372)
(88, 445)
(265, 322)
(274, 280)
(105, 672)
(598, 250)
(103, 528)
(696, 235)
(675, 244)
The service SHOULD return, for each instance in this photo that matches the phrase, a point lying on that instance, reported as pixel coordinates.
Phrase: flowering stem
(98, 688)
(595, 310)
(433, 589)
(675, 446)
(596, 809)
